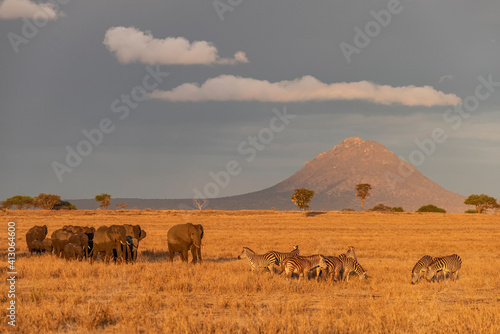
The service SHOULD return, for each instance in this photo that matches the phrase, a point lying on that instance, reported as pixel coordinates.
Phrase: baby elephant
(36, 246)
(72, 251)
(47, 245)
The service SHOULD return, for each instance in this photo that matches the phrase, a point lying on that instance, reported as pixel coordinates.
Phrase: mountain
(333, 176)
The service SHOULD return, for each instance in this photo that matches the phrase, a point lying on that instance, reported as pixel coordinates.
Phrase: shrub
(348, 209)
(381, 208)
(397, 209)
(431, 208)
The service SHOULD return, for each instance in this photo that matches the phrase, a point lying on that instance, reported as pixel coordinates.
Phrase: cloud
(132, 45)
(16, 9)
(444, 77)
(307, 88)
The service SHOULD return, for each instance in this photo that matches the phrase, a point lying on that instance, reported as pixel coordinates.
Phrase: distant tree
(121, 206)
(431, 208)
(5, 205)
(381, 208)
(19, 202)
(200, 203)
(347, 209)
(302, 198)
(481, 202)
(397, 209)
(470, 211)
(46, 201)
(64, 205)
(363, 191)
(103, 200)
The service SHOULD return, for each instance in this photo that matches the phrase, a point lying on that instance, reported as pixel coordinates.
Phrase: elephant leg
(194, 253)
(198, 250)
(171, 253)
(184, 255)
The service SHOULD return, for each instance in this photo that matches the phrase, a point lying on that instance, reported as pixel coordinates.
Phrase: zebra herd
(430, 267)
(341, 267)
(335, 267)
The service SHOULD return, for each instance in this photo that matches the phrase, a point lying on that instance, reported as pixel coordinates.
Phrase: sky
(184, 99)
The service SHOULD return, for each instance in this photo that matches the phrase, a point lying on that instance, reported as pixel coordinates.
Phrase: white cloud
(307, 88)
(132, 45)
(16, 9)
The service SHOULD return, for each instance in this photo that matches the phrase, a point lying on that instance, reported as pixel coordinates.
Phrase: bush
(381, 208)
(384, 208)
(470, 211)
(348, 209)
(431, 208)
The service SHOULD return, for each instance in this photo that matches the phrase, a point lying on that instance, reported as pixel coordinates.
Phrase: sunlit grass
(222, 295)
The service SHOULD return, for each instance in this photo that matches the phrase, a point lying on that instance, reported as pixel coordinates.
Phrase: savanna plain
(222, 295)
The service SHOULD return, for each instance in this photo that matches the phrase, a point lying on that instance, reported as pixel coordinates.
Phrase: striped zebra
(297, 265)
(351, 253)
(280, 257)
(256, 260)
(420, 268)
(314, 259)
(332, 265)
(449, 264)
(350, 265)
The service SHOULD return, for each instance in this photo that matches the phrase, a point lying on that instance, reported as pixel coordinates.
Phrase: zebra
(280, 257)
(257, 261)
(350, 265)
(351, 253)
(448, 264)
(333, 265)
(298, 265)
(420, 268)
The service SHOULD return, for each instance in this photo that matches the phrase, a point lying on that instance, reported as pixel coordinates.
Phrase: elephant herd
(120, 242)
(117, 242)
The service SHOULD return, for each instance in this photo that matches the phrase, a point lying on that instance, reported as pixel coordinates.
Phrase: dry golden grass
(223, 296)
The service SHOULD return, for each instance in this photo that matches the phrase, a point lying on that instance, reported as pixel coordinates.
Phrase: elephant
(47, 245)
(73, 251)
(60, 238)
(135, 232)
(107, 239)
(133, 245)
(183, 237)
(82, 240)
(37, 246)
(35, 233)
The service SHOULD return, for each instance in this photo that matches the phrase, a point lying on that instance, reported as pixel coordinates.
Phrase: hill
(333, 175)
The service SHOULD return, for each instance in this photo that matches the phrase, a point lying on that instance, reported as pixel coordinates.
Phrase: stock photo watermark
(223, 6)
(248, 149)
(452, 116)
(373, 28)
(11, 273)
(121, 107)
(30, 28)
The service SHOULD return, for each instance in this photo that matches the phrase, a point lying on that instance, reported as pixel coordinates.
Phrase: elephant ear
(143, 235)
(137, 231)
(45, 229)
(201, 228)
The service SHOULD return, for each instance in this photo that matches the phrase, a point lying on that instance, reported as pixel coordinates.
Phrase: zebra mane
(248, 249)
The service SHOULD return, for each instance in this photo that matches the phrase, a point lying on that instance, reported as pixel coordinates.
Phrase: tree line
(302, 198)
(50, 202)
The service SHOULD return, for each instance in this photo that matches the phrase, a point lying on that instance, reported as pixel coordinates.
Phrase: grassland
(221, 295)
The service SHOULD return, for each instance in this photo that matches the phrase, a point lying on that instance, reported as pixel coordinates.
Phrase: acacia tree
(481, 202)
(46, 201)
(200, 203)
(363, 191)
(20, 202)
(103, 200)
(302, 198)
